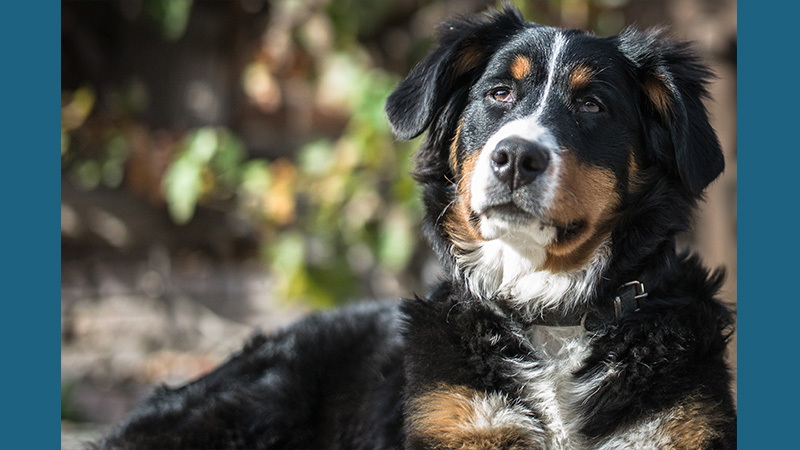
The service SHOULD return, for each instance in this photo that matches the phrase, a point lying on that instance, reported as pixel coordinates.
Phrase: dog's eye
(502, 94)
(590, 106)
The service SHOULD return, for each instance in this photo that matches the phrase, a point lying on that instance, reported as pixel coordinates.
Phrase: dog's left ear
(674, 80)
(465, 46)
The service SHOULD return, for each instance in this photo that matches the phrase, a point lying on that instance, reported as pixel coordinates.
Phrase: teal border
(768, 180)
(29, 227)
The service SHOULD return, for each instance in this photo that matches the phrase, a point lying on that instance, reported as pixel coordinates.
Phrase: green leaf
(256, 178)
(113, 172)
(173, 16)
(182, 186)
(201, 145)
(87, 174)
(316, 158)
(396, 241)
(227, 160)
(289, 252)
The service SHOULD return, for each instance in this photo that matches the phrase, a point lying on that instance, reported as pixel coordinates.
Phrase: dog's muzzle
(517, 162)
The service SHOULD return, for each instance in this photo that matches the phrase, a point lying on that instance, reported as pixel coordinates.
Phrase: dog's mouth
(514, 216)
(509, 212)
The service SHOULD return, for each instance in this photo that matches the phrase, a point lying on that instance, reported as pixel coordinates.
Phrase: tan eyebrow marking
(580, 77)
(521, 67)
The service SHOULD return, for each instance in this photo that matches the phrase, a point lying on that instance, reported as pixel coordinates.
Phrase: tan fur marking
(469, 58)
(521, 67)
(580, 77)
(580, 255)
(457, 219)
(656, 90)
(448, 417)
(635, 181)
(694, 424)
(585, 194)
(453, 158)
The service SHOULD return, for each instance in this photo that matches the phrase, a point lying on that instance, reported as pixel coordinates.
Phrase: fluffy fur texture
(557, 167)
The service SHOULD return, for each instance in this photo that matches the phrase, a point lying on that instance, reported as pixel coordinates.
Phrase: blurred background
(227, 167)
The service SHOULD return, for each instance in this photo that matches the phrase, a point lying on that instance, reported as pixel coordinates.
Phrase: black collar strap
(627, 300)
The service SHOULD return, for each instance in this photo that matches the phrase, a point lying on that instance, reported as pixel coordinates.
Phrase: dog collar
(627, 300)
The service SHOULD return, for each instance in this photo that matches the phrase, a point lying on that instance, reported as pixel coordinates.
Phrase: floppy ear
(464, 48)
(674, 80)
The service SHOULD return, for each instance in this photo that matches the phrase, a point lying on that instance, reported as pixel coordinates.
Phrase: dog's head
(542, 142)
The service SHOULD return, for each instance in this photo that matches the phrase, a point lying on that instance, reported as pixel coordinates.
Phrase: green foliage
(336, 213)
(103, 163)
(171, 15)
(353, 17)
(68, 410)
(207, 166)
(339, 203)
(358, 202)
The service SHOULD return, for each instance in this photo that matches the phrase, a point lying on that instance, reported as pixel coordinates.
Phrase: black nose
(516, 161)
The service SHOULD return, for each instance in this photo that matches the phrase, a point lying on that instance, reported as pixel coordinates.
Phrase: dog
(557, 170)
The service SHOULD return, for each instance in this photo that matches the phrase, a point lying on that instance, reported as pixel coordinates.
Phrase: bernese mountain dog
(557, 170)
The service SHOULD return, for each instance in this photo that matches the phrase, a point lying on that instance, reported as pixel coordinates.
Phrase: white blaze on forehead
(558, 49)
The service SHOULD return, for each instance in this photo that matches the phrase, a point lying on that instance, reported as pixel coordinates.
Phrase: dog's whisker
(436, 223)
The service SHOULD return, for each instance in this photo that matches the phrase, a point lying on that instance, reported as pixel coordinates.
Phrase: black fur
(329, 381)
(345, 379)
(696, 147)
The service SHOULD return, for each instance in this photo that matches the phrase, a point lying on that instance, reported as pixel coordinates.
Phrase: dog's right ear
(674, 81)
(464, 48)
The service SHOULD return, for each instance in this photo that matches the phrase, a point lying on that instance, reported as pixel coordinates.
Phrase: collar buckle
(628, 299)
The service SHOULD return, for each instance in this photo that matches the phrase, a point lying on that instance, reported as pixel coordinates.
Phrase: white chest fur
(548, 386)
(498, 269)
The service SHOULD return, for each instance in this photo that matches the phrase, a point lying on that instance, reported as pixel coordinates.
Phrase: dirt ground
(151, 312)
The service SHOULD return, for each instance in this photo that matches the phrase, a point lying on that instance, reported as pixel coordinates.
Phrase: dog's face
(545, 144)
(542, 139)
